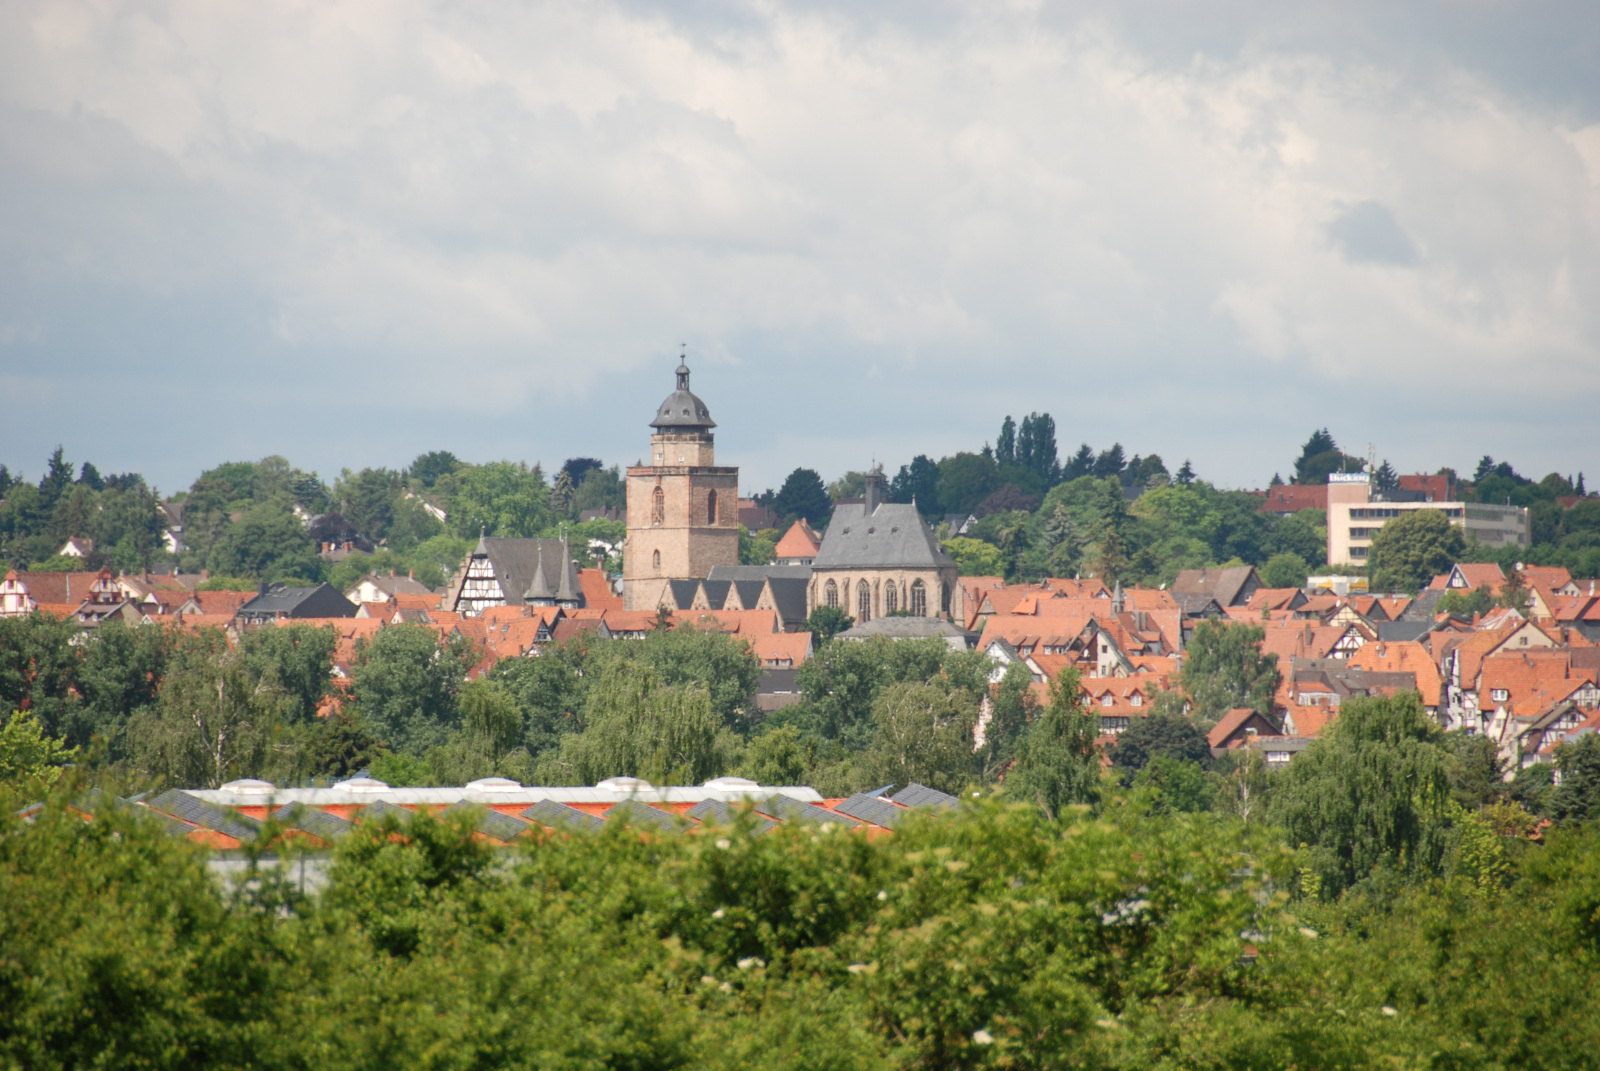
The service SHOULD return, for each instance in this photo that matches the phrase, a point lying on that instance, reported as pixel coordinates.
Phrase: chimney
(874, 491)
(261, 589)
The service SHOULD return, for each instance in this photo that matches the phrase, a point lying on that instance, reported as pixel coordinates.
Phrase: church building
(683, 509)
(879, 558)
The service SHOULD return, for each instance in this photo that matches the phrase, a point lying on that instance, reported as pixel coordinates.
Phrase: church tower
(683, 510)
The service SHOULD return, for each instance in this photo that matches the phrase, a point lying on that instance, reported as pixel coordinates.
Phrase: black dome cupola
(682, 411)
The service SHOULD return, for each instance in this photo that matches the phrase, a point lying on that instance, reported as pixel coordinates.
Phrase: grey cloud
(1366, 232)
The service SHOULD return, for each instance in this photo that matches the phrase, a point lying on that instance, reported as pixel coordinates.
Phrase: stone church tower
(683, 510)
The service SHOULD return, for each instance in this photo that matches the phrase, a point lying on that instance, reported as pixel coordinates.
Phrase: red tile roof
(800, 541)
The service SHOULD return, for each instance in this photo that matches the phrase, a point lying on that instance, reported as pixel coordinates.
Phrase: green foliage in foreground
(993, 938)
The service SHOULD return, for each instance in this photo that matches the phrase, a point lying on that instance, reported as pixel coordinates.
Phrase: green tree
(489, 742)
(1320, 456)
(1371, 794)
(268, 543)
(27, 755)
(406, 682)
(1057, 764)
(213, 722)
(368, 499)
(776, 757)
(551, 691)
(1011, 708)
(722, 665)
(637, 727)
(1411, 549)
(921, 733)
(296, 662)
(758, 549)
(121, 673)
(429, 468)
(918, 483)
(39, 667)
(1303, 533)
(974, 557)
(1223, 668)
(1158, 735)
(965, 479)
(840, 683)
(502, 498)
(1177, 785)
(803, 495)
(1285, 570)
(1577, 797)
(1458, 604)
(826, 622)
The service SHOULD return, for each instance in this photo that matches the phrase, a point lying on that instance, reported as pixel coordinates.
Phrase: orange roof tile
(800, 541)
(1403, 657)
(597, 592)
(781, 649)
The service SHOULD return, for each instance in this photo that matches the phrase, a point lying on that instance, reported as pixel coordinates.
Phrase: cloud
(879, 229)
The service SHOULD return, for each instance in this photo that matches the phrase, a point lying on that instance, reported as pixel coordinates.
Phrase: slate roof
(789, 583)
(915, 795)
(323, 600)
(910, 628)
(681, 410)
(517, 560)
(893, 536)
(1225, 585)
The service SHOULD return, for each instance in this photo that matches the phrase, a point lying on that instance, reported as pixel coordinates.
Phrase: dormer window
(1499, 695)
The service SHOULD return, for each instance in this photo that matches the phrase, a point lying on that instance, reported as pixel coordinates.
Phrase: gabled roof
(1389, 657)
(783, 649)
(893, 536)
(1230, 730)
(800, 541)
(1227, 586)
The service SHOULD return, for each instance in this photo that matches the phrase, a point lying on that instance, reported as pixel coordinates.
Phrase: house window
(655, 561)
(1106, 700)
(1499, 695)
(711, 508)
(890, 602)
(830, 594)
(863, 602)
(1137, 700)
(919, 599)
(658, 507)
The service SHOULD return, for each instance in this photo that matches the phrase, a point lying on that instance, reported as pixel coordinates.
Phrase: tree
(1320, 456)
(428, 468)
(1155, 736)
(551, 691)
(1285, 570)
(1110, 463)
(1385, 479)
(268, 543)
(1186, 474)
(213, 721)
(776, 757)
(965, 479)
(1223, 668)
(1177, 785)
(368, 500)
(917, 482)
(1577, 797)
(1036, 448)
(637, 727)
(55, 482)
(1371, 793)
(561, 495)
(39, 667)
(1303, 533)
(120, 675)
(27, 755)
(1411, 549)
(1080, 465)
(922, 733)
(803, 495)
(720, 664)
(1005, 446)
(490, 739)
(296, 661)
(1011, 708)
(1458, 604)
(840, 683)
(826, 622)
(974, 557)
(502, 498)
(406, 682)
(1057, 764)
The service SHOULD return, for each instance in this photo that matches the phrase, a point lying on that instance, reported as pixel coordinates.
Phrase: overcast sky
(350, 232)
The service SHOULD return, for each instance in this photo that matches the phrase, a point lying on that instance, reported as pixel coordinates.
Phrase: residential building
(275, 602)
(514, 572)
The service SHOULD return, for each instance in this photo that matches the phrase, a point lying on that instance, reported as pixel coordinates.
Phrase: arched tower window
(711, 508)
(655, 562)
(831, 594)
(658, 507)
(891, 602)
(919, 599)
(863, 603)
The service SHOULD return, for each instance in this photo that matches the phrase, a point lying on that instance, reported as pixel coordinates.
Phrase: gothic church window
(655, 560)
(863, 602)
(711, 508)
(831, 594)
(890, 602)
(919, 599)
(658, 507)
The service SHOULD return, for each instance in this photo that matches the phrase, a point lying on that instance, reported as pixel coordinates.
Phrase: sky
(350, 232)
